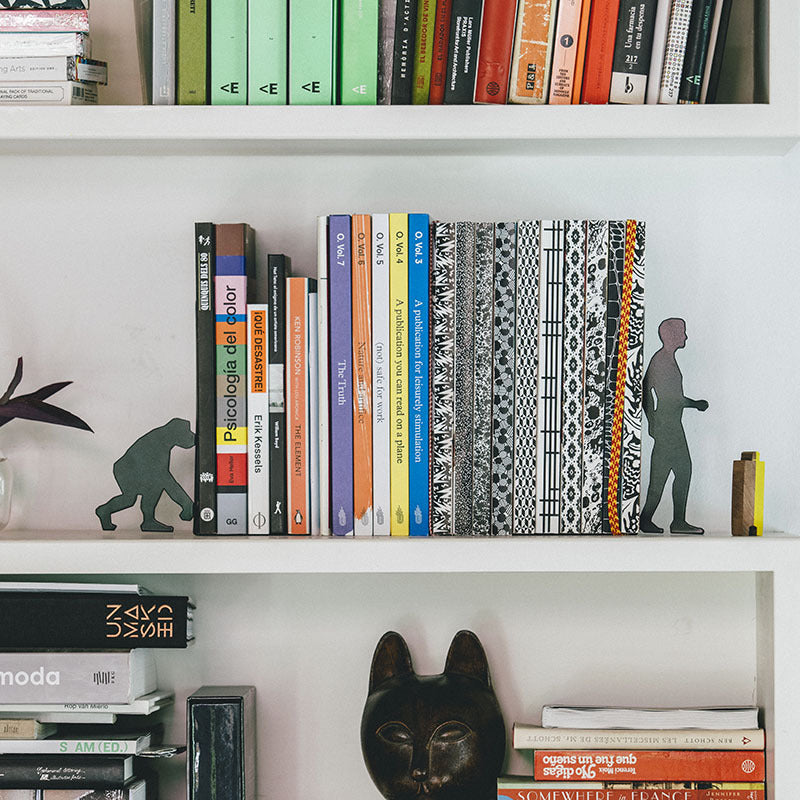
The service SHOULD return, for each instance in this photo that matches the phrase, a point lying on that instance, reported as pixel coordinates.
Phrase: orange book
(600, 39)
(580, 53)
(362, 373)
(298, 406)
(494, 54)
(648, 765)
(533, 45)
(565, 50)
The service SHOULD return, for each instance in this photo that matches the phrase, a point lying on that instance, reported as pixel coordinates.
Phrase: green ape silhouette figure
(143, 469)
(663, 403)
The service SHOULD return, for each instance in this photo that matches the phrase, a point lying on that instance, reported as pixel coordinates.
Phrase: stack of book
(431, 52)
(631, 754)
(78, 688)
(45, 54)
(448, 378)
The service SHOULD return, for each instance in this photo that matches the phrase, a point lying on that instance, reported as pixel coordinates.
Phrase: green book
(229, 53)
(192, 55)
(358, 56)
(267, 39)
(423, 52)
(311, 52)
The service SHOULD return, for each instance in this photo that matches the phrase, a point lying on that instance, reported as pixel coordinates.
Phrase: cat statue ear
(392, 659)
(466, 656)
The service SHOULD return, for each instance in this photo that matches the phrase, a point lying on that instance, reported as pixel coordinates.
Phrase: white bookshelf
(96, 218)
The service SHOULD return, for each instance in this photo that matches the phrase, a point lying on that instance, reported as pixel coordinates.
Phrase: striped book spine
(443, 275)
(192, 44)
(532, 54)
(505, 298)
(572, 377)
(229, 53)
(614, 403)
(323, 423)
(257, 418)
(630, 468)
(677, 31)
(340, 353)
(526, 376)
(312, 349)
(482, 398)
(267, 52)
(297, 391)
(398, 305)
(205, 471)
(419, 314)
(565, 51)
(594, 388)
(233, 260)
(381, 365)
(362, 373)
(464, 375)
(551, 334)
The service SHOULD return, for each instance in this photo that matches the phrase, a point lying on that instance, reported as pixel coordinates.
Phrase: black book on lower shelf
(41, 771)
(220, 737)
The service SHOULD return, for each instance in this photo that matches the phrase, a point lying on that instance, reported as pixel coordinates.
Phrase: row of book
(435, 378)
(430, 52)
(641, 754)
(45, 54)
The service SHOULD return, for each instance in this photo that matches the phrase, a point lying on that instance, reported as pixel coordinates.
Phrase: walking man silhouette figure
(663, 403)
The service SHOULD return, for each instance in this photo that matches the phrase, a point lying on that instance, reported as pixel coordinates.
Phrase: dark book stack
(79, 689)
(45, 54)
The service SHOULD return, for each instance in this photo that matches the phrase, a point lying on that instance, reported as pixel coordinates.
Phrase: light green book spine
(229, 52)
(359, 53)
(423, 52)
(311, 52)
(192, 54)
(267, 49)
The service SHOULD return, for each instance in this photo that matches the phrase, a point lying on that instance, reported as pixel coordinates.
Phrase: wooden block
(747, 496)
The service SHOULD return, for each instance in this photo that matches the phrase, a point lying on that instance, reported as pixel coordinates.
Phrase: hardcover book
(163, 53)
(82, 742)
(135, 790)
(64, 771)
(358, 59)
(257, 418)
(494, 57)
(632, 51)
(565, 51)
(532, 54)
(423, 52)
(387, 15)
(600, 41)
(192, 52)
(696, 53)
(311, 52)
(229, 53)
(675, 50)
(405, 29)
(441, 45)
(465, 27)
(267, 53)
(221, 730)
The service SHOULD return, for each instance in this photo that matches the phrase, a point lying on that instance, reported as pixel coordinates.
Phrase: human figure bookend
(143, 469)
(435, 736)
(664, 402)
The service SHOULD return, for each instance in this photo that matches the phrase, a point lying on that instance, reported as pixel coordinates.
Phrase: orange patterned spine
(619, 395)
(533, 44)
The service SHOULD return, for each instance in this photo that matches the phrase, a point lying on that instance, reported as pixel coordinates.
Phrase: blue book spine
(340, 348)
(419, 307)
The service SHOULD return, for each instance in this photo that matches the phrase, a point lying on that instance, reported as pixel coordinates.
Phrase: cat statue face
(433, 736)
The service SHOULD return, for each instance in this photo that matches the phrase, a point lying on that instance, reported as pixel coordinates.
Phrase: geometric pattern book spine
(502, 471)
(594, 376)
(572, 376)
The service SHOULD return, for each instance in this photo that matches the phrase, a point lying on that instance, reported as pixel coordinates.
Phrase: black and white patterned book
(502, 497)
(482, 408)
(594, 385)
(464, 366)
(572, 377)
(616, 262)
(443, 286)
(551, 332)
(526, 371)
(630, 479)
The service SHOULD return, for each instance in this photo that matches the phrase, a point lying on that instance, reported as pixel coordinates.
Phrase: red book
(642, 792)
(600, 41)
(648, 765)
(44, 21)
(441, 42)
(494, 55)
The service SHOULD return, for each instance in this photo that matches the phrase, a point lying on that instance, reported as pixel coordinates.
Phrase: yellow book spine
(758, 509)
(398, 303)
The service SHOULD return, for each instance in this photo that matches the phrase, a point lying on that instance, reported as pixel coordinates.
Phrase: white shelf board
(65, 552)
(134, 130)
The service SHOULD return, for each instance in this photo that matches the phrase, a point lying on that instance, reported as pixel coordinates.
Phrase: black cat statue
(433, 736)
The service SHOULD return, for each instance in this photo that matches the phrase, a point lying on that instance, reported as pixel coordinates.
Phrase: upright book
(358, 49)
(565, 50)
(465, 25)
(267, 53)
(192, 52)
(494, 56)
(599, 62)
(229, 53)
(311, 52)
(257, 418)
(403, 58)
(532, 54)
(632, 51)
(323, 408)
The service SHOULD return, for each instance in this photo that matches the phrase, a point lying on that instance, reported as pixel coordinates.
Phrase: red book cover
(44, 21)
(441, 42)
(494, 55)
(648, 765)
(600, 41)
